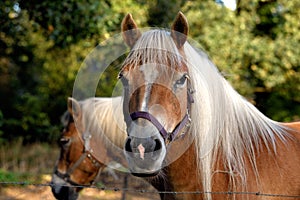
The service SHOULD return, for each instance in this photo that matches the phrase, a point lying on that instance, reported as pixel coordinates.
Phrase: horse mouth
(146, 175)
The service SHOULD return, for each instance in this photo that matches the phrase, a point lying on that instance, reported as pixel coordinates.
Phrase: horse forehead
(70, 129)
(150, 72)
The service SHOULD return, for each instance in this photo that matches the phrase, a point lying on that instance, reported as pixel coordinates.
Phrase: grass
(26, 163)
(6, 176)
(33, 164)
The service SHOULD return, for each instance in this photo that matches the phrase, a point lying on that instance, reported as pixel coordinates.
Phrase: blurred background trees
(43, 43)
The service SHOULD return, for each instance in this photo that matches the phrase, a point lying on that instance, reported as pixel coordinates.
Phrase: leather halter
(168, 136)
(86, 154)
(67, 176)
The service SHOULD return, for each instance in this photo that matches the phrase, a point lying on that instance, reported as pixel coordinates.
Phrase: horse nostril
(128, 145)
(158, 145)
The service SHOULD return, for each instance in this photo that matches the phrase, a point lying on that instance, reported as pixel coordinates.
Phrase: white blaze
(150, 75)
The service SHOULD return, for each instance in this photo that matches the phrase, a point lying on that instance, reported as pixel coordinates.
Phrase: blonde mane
(224, 124)
(102, 119)
(224, 120)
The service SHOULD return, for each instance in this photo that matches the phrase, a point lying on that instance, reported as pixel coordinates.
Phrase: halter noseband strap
(67, 175)
(168, 136)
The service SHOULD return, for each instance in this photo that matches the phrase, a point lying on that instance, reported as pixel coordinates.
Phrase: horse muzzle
(62, 190)
(145, 155)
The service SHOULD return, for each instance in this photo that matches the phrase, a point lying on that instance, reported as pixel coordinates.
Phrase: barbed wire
(116, 189)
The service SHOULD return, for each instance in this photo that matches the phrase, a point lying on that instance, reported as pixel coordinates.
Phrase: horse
(187, 123)
(78, 165)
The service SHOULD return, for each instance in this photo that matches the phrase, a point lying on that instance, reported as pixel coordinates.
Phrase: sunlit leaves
(256, 47)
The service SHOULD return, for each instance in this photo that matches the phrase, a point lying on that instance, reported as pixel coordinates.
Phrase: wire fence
(141, 191)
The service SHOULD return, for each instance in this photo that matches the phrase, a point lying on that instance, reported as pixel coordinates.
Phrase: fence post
(125, 185)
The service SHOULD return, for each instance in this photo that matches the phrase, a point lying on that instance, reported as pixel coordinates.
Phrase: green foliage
(44, 43)
(26, 162)
(66, 22)
(161, 12)
(70, 21)
(256, 49)
(8, 176)
(1, 124)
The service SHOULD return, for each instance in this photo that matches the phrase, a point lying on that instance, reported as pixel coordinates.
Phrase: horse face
(84, 173)
(155, 98)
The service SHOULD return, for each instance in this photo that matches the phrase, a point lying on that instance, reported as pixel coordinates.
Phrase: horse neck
(183, 176)
(182, 172)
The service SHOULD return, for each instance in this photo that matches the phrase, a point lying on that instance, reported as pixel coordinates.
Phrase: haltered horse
(91, 130)
(78, 164)
(185, 121)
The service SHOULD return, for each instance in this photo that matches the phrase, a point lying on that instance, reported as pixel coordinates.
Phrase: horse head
(76, 166)
(157, 93)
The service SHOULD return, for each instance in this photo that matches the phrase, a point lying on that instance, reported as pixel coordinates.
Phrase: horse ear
(130, 31)
(179, 30)
(74, 107)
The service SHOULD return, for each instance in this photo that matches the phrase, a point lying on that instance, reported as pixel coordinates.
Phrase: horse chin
(145, 172)
(61, 191)
(147, 167)
(65, 193)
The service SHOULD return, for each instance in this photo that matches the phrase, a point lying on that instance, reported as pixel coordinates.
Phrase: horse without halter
(228, 145)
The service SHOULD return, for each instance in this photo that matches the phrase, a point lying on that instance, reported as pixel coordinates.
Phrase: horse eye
(64, 141)
(181, 81)
(123, 79)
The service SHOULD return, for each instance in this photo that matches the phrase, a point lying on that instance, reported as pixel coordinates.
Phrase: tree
(255, 48)
(19, 64)
(43, 44)
(161, 12)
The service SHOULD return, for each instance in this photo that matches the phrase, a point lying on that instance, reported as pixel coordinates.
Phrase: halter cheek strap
(86, 154)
